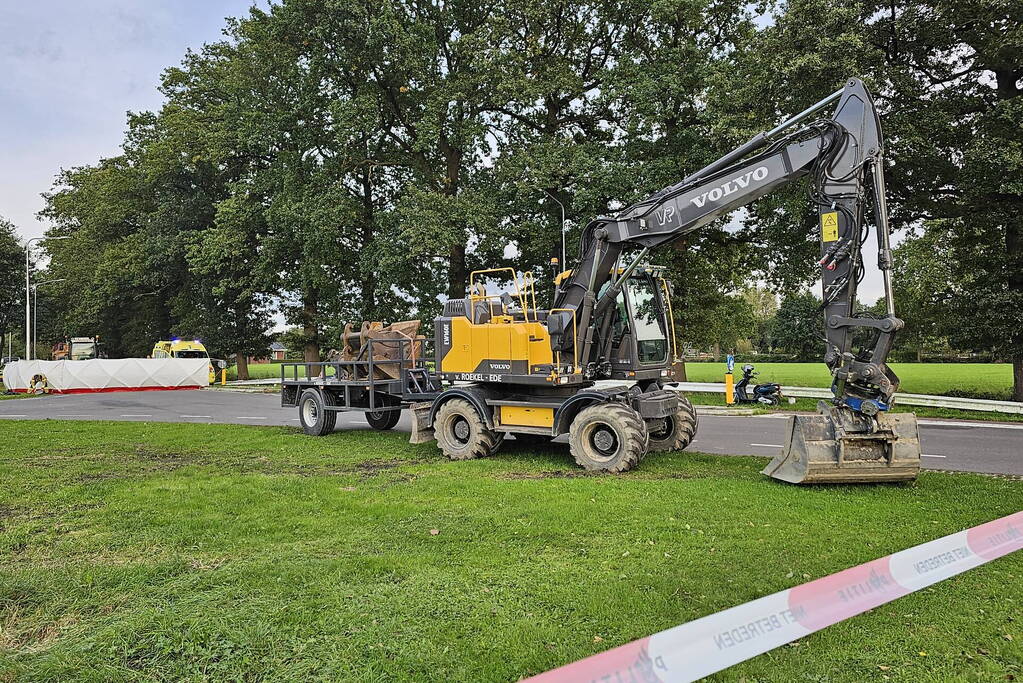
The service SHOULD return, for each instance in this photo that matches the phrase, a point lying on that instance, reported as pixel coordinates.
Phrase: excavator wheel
(609, 437)
(383, 420)
(462, 434)
(314, 418)
(676, 432)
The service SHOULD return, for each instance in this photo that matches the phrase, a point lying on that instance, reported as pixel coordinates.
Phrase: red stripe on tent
(107, 390)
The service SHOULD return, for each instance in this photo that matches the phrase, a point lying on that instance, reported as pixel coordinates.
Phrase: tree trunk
(717, 351)
(369, 280)
(919, 355)
(678, 370)
(1017, 378)
(243, 366)
(310, 330)
(458, 272)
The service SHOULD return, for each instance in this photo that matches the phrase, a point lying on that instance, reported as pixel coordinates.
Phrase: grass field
(260, 371)
(171, 552)
(809, 405)
(992, 380)
(981, 379)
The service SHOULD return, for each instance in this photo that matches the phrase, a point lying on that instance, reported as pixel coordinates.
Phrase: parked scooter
(768, 393)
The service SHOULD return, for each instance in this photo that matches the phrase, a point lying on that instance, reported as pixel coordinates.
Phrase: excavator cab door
(638, 330)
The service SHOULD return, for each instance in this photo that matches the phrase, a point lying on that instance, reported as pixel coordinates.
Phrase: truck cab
(77, 348)
(180, 348)
(184, 348)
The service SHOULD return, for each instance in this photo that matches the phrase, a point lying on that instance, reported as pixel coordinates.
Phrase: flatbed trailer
(380, 389)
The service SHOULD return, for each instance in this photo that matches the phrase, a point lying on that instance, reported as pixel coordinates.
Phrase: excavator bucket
(422, 429)
(397, 341)
(839, 446)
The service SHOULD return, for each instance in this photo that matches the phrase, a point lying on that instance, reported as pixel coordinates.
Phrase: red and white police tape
(717, 641)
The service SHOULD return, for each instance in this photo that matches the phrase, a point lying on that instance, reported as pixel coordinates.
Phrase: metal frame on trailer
(352, 378)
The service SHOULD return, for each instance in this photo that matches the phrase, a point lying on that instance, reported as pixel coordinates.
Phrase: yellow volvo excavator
(505, 366)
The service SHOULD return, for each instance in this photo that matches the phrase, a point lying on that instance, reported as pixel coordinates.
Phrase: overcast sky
(71, 69)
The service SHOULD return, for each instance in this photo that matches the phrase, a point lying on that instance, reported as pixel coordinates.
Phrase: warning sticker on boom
(829, 226)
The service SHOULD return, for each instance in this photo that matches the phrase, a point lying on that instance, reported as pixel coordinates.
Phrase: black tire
(609, 437)
(676, 431)
(315, 419)
(462, 434)
(383, 419)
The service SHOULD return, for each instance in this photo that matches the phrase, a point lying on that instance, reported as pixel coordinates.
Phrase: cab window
(651, 340)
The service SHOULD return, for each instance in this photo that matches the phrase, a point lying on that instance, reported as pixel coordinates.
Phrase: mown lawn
(204, 552)
(810, 405)
(988, 379)
(993, 379)
(257, 371)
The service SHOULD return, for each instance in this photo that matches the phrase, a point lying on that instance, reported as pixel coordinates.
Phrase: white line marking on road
(70, 415)
(249, 417)
(136, 416)
(976, 425)
(924, 455)
(766, 445)
(13, 415)
(208, 417)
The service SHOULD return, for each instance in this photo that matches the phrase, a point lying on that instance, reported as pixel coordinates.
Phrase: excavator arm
(842, 155)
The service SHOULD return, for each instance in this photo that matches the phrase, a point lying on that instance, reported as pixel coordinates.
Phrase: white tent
(123, 374)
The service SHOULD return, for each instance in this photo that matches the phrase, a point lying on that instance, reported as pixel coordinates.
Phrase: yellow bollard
(223, 377)
(729, 388)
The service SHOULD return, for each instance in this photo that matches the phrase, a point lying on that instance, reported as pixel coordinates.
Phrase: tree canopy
(12, 282)
(334, 161)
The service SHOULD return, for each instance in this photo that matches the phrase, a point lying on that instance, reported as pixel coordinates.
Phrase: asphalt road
(995, 448)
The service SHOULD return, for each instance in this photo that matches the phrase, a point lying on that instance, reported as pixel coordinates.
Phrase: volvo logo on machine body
(730, 186)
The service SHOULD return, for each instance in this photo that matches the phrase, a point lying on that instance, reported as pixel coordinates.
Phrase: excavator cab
(639, 338)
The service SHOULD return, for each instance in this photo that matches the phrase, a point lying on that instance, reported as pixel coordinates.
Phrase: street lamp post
(563, 262)
(28, 288)
(35, 309)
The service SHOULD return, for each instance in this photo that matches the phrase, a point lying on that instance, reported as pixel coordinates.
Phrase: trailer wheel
(677, 431)
(315, 419)
(462, 434)
(383, 419)
(610, 437)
